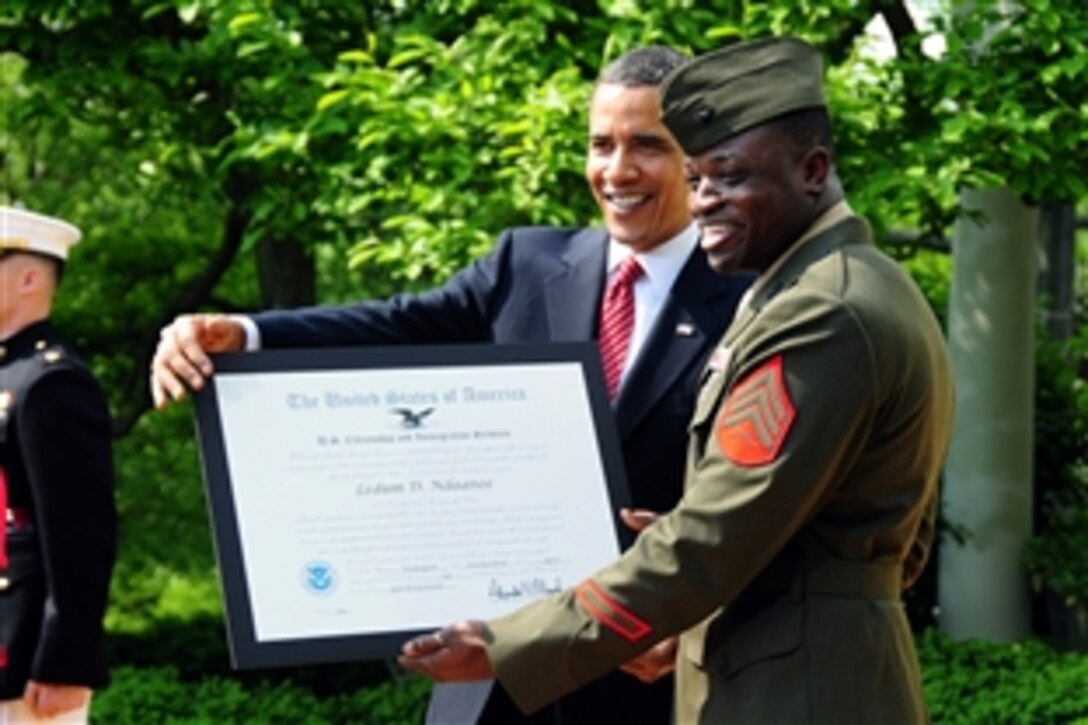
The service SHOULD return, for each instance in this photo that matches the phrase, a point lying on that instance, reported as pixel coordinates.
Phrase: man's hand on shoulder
(181, 360)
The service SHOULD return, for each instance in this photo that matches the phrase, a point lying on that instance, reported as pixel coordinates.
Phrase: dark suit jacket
(55, 452)
(540, 285)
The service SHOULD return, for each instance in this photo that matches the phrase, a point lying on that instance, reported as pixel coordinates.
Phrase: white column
(982, 588)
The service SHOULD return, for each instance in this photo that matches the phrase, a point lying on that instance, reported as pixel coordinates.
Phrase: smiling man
(634, 167)
(815, 448)
(547, 284)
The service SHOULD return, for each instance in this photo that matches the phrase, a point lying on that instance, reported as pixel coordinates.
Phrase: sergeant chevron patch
(608, 612)
(756, 417)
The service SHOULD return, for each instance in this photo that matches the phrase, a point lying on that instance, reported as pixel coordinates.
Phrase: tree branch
(192, 297)
(902, 27)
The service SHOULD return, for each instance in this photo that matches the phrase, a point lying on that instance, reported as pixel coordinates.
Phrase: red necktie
(617, 322)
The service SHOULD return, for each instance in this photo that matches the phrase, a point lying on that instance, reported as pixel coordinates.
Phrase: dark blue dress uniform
(60, 539)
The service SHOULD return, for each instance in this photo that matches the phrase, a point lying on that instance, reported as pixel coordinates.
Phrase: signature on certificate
(526, 588)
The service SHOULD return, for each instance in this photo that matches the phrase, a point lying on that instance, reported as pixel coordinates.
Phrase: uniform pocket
(754, 629)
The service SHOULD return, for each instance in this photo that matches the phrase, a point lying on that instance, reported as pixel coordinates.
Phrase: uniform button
(40, 345)
(3, 352)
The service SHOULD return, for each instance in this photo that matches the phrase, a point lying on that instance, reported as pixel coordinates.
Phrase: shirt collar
(663, 263)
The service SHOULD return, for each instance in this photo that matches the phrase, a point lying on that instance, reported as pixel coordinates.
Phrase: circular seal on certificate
(319, 578)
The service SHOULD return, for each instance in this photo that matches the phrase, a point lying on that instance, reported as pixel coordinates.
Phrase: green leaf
(331, 99)
(405, 57)
(356, 56)
(240, 22)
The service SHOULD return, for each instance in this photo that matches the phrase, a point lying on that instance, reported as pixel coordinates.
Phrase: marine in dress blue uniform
(56, 488)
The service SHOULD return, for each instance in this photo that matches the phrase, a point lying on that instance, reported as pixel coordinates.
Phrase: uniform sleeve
(458, 311)
(65, 430)
(769, 444)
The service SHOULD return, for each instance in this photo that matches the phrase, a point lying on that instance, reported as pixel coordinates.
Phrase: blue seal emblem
(319, 578)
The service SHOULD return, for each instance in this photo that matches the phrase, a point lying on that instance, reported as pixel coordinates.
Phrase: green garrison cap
(733, 89)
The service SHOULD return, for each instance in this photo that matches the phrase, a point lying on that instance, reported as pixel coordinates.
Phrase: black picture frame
(246, 650)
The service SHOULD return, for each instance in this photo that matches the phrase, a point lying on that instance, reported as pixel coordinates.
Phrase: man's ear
(34, 275)
(29, 277)
(815, 169)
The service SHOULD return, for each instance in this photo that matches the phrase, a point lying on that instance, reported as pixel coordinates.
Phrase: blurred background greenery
(240, 154)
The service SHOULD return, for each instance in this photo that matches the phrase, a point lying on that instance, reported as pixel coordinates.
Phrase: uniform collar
(35, 336)
(832, 216)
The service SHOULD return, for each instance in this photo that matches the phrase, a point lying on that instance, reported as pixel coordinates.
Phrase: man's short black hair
(642, 67)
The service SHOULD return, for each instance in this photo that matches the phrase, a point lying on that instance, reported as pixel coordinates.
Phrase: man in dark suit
(546, 284)
(56, 490)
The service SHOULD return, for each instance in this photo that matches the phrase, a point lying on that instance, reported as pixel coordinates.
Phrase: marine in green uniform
(822, 423)
(56, 489)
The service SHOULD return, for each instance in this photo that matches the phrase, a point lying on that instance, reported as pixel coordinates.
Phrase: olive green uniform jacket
(815, 449)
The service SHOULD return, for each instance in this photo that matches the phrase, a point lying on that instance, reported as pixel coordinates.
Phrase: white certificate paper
(360, 496)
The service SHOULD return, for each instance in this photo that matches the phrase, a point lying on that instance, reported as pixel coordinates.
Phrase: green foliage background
(231, 154)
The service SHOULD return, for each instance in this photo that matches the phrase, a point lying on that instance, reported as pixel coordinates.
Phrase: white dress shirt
(662, 266)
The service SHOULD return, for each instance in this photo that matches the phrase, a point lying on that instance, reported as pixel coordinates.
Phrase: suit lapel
(574, 291)
(689, 323)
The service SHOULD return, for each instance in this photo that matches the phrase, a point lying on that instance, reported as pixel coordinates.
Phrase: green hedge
(197, 650)
(965, 682)
(139, 696)
(985, 682)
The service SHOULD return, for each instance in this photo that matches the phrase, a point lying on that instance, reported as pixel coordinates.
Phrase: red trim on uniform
(3, 656)
(3, 524)
(610, 613)
(756, 417)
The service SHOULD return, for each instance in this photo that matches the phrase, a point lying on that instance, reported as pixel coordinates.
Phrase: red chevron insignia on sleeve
(608, 612)
(756, 417)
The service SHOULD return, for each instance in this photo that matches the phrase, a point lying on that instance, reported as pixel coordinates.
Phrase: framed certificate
(361, 496)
